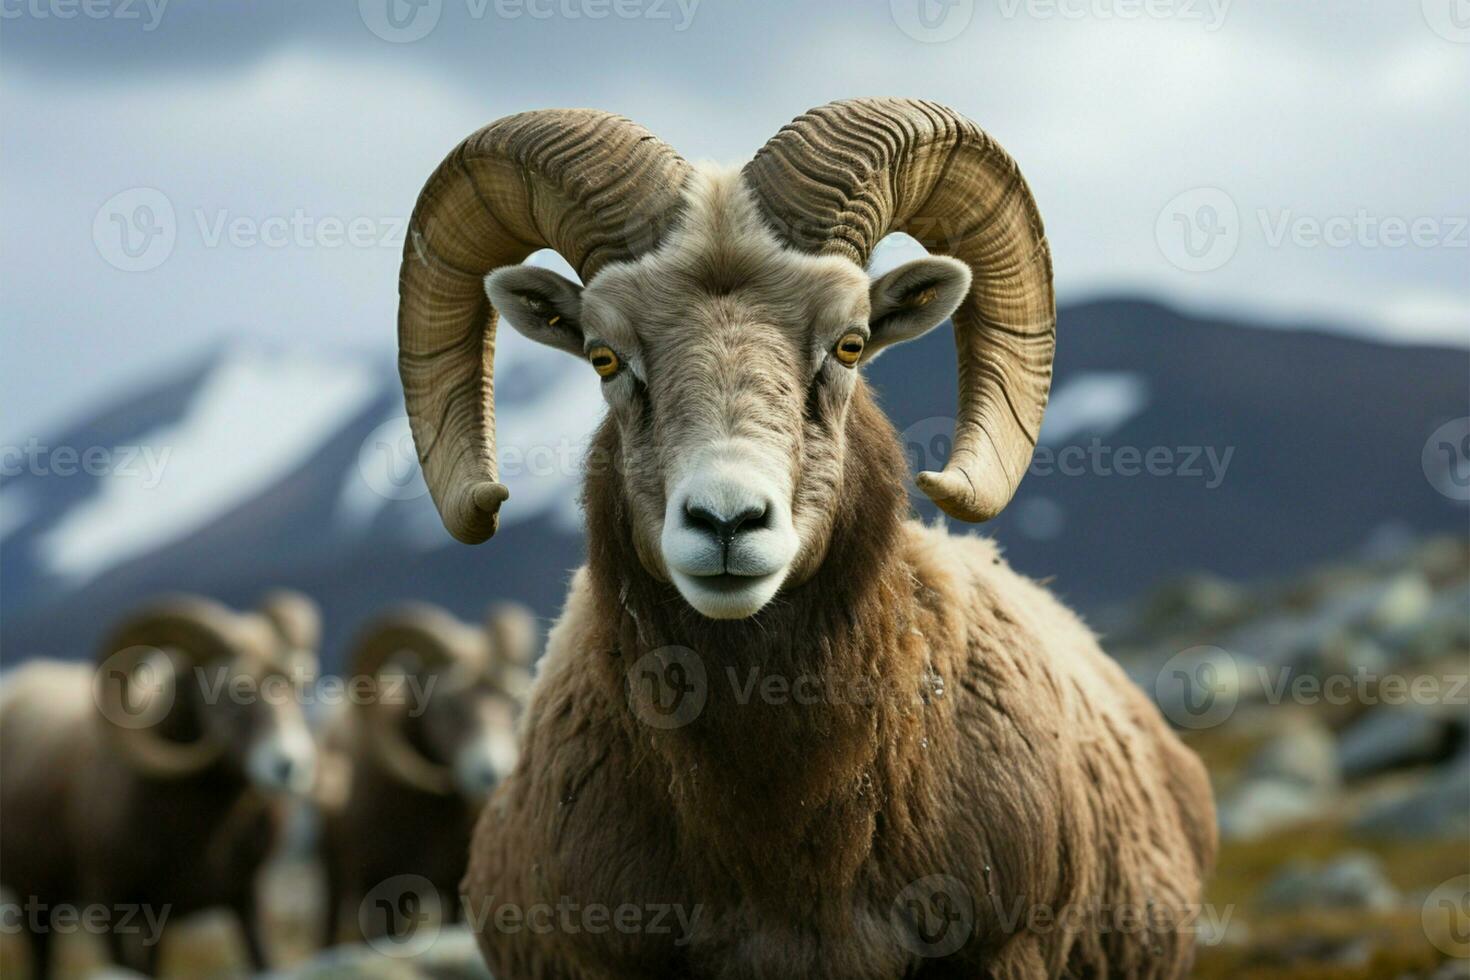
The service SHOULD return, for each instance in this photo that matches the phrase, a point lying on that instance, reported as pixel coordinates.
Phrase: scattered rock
(1272, 639)
(452, 955)
(1304, 754)
(1343, 655)
(1354, 880)
(1337, 619)
(1394, 738)
(1452, 970)
(1444, 558)
(1262, 806)
(1400, 600)
(1189, 603)
(1443, 629)
(1439, 807)
(1348, 953)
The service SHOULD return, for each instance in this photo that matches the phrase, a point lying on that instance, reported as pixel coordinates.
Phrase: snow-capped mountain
(1170, 444)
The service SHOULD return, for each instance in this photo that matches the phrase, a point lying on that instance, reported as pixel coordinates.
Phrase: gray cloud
(266, 125)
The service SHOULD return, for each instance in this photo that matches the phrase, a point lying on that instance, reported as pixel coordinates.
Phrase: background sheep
(421, 755)
(746, 511)
(145, 781)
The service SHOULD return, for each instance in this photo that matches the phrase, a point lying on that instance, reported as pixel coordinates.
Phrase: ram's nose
(284, 762)
(724, 524)
(728, 537)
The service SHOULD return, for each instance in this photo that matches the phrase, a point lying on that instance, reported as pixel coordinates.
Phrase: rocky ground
(1332, 713)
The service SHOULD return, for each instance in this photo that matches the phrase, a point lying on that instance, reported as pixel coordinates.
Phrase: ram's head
(729, 317)
(444, 695)
(186, 684)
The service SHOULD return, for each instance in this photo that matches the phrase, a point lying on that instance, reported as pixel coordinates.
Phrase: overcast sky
(175, 175)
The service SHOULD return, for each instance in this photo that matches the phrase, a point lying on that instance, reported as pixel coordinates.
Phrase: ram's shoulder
(46, 691)
(970, 573)
(568, 639)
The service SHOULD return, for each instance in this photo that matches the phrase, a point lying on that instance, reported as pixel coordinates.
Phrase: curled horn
(170, 636)
(595, 187)
(514, 635)
(438, 642)
(840, 177)
(296, 618)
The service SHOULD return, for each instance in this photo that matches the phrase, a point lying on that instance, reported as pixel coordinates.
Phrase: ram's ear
(913, 299)
(544, 306)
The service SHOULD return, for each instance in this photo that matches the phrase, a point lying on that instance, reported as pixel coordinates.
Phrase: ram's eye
(849, 348)
(604, 361)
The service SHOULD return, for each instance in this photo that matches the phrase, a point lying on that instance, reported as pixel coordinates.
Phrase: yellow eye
(604, 361)
(849, 348)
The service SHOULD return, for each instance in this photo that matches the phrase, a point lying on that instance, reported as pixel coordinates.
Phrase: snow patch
(546, 408)
(1096, 402)
(256, 417)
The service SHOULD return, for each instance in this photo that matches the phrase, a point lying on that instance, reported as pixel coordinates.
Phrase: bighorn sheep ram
(150, 780)
(420, 758)
(1012, 802)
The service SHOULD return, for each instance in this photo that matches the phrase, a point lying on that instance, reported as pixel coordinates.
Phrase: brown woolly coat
(1004, 750)
(384, 828)
(79, 827)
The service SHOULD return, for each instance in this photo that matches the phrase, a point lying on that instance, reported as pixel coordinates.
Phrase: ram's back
(1094, 804)
(47, 727)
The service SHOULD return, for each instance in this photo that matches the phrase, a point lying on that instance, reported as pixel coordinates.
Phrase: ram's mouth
(727, 582)
(727, 596)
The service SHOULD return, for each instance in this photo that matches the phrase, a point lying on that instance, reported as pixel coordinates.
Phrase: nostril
(284, 770)
(752, 519)
(725, 528)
